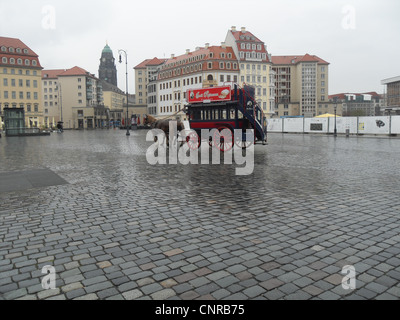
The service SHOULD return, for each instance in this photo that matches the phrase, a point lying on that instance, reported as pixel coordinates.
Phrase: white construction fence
(386, 125)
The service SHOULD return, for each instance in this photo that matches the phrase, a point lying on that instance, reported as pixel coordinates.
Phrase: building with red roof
(75, 97)
(20, 80)
(208, 66)
(358, 104)
(301, 85)
(255, 66)
(146, 74)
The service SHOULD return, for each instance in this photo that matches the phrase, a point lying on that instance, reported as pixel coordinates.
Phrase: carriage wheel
(193, 140)
(223, 143)
(244, 144)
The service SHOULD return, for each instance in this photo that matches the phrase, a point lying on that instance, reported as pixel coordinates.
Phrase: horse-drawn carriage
(224, 109)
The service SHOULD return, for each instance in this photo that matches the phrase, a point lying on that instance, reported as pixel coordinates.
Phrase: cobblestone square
(115, 227)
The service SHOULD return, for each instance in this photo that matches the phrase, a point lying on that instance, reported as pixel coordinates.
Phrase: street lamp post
(127, 95)
(335, 132)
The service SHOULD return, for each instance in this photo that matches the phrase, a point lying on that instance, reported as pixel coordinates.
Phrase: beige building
(301, 85)
(114, 100)
(20, 81)
(255, 66)
(51, 97)
(392, 103)
(146, 74)
(81, 100)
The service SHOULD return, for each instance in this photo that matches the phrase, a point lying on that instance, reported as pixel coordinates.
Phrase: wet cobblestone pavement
(123, 229)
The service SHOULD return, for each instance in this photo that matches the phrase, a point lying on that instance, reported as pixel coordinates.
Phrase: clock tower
(107, 69)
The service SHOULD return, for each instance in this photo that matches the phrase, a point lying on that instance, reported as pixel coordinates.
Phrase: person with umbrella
(60, 127)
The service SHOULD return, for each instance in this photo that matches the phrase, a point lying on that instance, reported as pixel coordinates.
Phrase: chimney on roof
(223, 45)
(207, 45)
(172, 56)
(197, 48)
(187, 51)
(243, 29)
(233, 29)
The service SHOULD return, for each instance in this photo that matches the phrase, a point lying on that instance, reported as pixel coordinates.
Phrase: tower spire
(108, 69)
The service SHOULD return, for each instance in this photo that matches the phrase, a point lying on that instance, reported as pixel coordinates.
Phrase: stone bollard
(347, 133)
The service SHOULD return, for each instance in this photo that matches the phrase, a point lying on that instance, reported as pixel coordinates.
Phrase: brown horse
(163, 124)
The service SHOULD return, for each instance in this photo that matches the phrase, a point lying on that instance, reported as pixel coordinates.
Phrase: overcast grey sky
(360, 38)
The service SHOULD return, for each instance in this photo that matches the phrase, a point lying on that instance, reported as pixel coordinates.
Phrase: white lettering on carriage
(185, 148)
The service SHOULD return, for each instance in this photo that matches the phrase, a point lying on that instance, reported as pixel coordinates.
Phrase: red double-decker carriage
(226, 110)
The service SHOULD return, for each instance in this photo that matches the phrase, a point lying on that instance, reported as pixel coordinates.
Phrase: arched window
(210, 77)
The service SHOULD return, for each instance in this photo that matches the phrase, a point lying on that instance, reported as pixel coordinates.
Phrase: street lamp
(335, 132)
(127, 95)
